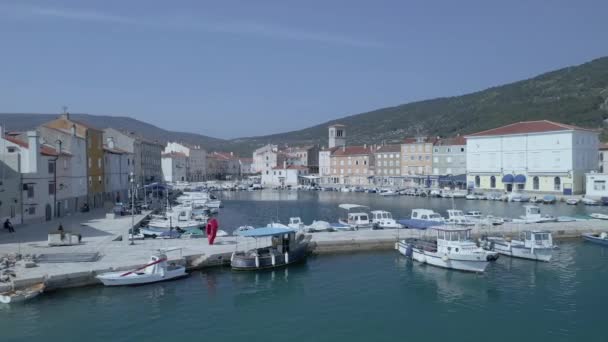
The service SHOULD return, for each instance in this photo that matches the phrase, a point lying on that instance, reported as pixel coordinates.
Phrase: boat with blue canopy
(281, 246)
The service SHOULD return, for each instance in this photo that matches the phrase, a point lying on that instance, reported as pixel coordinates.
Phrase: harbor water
(374, 296)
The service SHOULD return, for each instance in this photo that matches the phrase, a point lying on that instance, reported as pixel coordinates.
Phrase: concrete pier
(100, 235)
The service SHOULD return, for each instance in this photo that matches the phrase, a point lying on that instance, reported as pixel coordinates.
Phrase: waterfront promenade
(99, 235)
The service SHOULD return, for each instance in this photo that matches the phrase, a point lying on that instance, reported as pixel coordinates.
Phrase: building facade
(196, 163)
(387, 165)
(10, 182)
(603, 158)
(223, 165)
(151, 170)
(536, 156)
(596, 185)
(174, 167)
(286, 175)
(117, 172)
(246, 167)
(265, 158)
(450, 162)
(350, 165)
(417, 161)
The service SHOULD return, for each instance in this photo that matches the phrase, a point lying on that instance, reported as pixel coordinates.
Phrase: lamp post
(131, 179)
(55, 207)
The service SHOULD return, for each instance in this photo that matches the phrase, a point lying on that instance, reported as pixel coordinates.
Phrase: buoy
(257, 261)
(287, 257)
(273, 260)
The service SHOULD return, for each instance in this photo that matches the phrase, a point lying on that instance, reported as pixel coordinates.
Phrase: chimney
(231, 154)
(284, 164)
(110, 142)
(33, 151)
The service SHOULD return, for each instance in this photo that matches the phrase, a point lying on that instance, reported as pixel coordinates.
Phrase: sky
(245, 68)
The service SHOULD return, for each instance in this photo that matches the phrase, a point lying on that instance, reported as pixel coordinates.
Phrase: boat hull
(115, 279)
(22, 295)
(472, 264)
(248, 263)
(504, 247)
(595, 239)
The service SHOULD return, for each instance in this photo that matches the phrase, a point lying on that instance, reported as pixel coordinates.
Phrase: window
(449, 150)
(413, 158)
(493, 182)
(449, 159)
(436, 150)
(11, 149)
(32, 210)
(448, 171)
(89, 162)
(462, 149)
(428, 158)
(99, 179)
(365, 162)
(356, 162)
(419, 157)
(557, 184)
(51, 166)
(477, 181)
(99, 163)
(30, 190)
(535, 183)
(599, 185)
(435, 160)
(51, 188)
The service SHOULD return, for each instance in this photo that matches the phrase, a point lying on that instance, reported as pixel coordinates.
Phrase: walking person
(8, 225)
(212, 227)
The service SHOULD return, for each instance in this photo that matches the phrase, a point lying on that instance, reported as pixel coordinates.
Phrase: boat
(473, 215)
(452, 249)
(458, 194)
(296, 223)
(599, 216)
(202, 197)
(517, 197)
(285, 248)
(600, 238)
(242, 229)
(472, 197)
(535, 200)
(358, 219)
(457, 217)
(179, 216)
(156, 270)
(149, 232)
(549, 199)
(17, 296)
(533, 215)
(384, 219)
(387, 192)
(589, 201)
(532, 245)
(421, 219)
(572, 201)
(319, 226)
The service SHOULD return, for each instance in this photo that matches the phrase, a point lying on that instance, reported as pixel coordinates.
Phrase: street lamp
(59, 142)
(132, 181)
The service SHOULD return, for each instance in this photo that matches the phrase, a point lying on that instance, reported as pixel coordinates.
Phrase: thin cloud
(189, 22)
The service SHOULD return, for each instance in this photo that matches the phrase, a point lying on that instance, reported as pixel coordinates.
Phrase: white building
(265, 158)
(196, 163)
(71, 169)
(286, 175)
(37, 165)
(541, 156)
(174, 167)
(596, 185)
(117, 169)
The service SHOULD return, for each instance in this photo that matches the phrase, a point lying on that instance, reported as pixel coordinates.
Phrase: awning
(507, 179)
(521, 179)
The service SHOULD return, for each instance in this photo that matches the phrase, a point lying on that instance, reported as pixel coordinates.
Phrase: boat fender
(397, 245)
(273, 259)
(287, 257)
(445, 258)
(257, 261)
(232, 257)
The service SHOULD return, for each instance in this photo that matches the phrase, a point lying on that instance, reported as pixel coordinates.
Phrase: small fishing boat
(22, 295)
(388, 192)
(156, 270)
(549, 199)
(572, 201)
(533, 215)
(475, 217)
(472, 197)
(384, 219)
(589, 201)
(319, 226)
(533, 245)
(422, 219)
(358, 219)
(599, 216)
(284, 249)
(296, 223)
(601, 238)
(457, 217)
(452, 248)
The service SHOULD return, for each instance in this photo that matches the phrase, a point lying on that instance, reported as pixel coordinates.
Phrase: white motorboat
(22, 295)
(533, 215)
(533, 245)
(572, 201)
(319, 226)
(242, 229)
(471, 197)
(387, 192)
(296, 223)
(358, 219)
(154, 271)
(459, 194)
(452, 248)
(384, 219)
(473, 215)
(477, 217)
(599, 216)
(589, 201)
(426, 215)
(206, 198)
(457, 217)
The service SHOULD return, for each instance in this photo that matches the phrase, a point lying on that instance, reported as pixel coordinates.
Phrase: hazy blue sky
(241, 68)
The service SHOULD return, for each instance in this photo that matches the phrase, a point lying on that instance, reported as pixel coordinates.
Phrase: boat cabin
(378, 215)
(537, 239)
(532, 211)
(356, 219)
(426, 215)
(283, 249)
(473, 214)
(296, 221)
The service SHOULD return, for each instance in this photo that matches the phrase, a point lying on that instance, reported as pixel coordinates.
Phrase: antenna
(64, 109)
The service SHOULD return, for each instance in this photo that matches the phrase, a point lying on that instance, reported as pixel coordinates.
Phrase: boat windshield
(541, 236)
(387, 216)
(460, 235)
(434, 216)
(363, 218)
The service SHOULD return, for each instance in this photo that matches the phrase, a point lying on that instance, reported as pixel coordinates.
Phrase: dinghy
(155, 271)
(17, 296)
(599, 216)
(601, 238)
(532, 245)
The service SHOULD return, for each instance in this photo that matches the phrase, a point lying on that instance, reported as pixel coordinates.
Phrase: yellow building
(94, 157)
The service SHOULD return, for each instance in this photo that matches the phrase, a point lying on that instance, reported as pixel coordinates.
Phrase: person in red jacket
(212, 226)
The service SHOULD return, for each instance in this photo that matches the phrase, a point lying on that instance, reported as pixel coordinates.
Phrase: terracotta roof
(173, 155)
(389, 148)
(44, 150)
(459, 140)
(524, 127)
(246, 160)
(222, 155)
(352, 150)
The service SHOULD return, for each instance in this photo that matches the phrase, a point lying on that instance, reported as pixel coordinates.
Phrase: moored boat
(599, 216)
(533, 215)
(452, 248)
(572, 201)
(285, 248)
(358, 219)
(22, 295)
(156, 270)
(533, 245)
(589, 201)
(601, 238)
(457, 217)
(384, 219)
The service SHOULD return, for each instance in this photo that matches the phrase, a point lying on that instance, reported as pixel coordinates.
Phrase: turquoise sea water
(376, 296)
